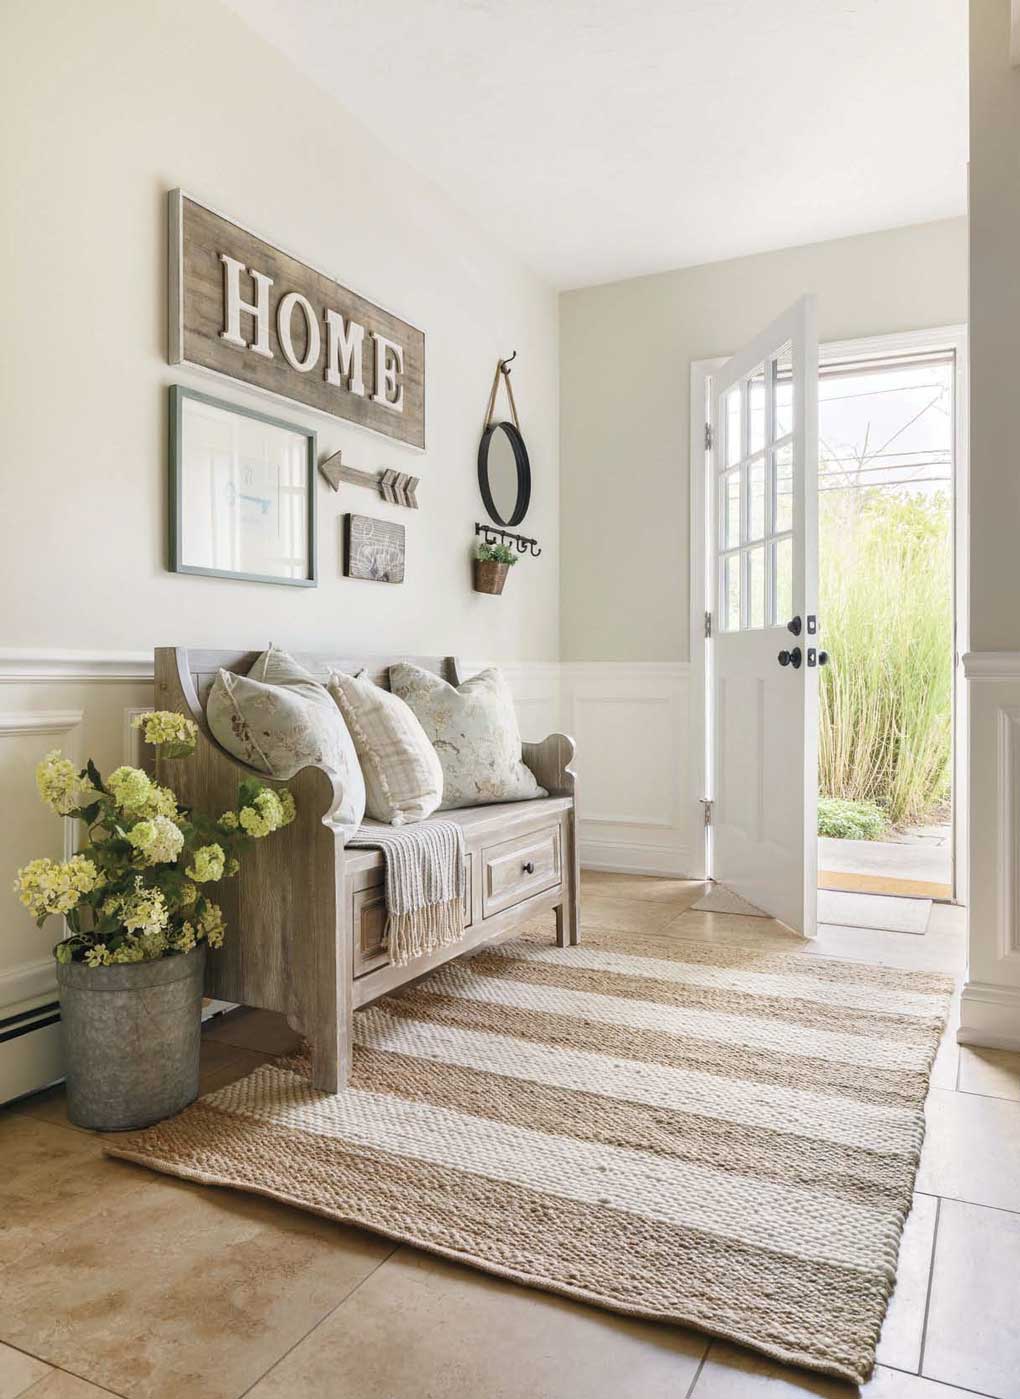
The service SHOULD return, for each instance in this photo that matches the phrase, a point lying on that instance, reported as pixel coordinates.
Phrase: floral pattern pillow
(403, 776)
(473, 728)
(286, 724)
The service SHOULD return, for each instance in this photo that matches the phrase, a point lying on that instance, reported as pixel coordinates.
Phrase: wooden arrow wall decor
(395, 486)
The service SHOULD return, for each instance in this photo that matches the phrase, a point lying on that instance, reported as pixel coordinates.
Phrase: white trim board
(26, 666)
(990, 1016)
(991, 665)
(41, 721)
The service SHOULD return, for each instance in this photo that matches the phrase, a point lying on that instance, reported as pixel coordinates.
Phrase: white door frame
(954, 338)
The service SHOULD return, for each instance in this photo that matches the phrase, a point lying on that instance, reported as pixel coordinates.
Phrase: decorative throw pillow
(474, 730)
(403, 778)
(286, 723)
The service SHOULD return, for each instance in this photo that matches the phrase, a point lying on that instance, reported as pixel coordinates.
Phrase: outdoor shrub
(845, 820)
(886, 611)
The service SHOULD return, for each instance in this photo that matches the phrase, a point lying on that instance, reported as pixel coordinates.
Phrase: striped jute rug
(718, 1136)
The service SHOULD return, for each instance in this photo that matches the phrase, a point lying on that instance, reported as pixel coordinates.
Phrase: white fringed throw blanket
(424, 884)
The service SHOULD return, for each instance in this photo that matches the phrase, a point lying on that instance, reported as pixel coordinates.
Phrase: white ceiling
(603, 139)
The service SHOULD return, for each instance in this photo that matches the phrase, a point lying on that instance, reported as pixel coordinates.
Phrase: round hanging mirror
(504, 474)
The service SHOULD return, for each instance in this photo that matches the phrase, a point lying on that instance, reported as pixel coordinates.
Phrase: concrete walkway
(921, 853)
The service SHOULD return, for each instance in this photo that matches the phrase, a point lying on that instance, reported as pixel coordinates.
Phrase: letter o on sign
(284, 318)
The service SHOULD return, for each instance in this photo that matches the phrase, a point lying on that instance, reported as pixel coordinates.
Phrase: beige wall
(995, 331)
(106, 107)
(990, 1007)
(625, 357)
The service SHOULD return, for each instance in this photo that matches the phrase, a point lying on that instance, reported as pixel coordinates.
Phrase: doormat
(884, 884)
(719, 1137)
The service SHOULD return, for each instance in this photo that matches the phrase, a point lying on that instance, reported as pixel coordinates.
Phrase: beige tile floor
(114, 1280)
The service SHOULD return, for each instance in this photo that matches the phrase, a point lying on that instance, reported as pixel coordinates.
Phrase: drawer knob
(529, 868)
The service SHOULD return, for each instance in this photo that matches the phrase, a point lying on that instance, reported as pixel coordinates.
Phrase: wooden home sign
(246, 309)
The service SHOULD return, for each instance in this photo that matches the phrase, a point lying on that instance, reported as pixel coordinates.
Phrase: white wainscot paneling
(990, 1009)
(630, 722)
(81, 703)
(30, 1044)
(536, 690)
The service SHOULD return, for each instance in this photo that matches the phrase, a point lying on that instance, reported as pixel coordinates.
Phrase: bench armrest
(550, 762)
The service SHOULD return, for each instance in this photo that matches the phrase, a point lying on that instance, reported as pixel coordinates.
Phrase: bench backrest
(203, 666)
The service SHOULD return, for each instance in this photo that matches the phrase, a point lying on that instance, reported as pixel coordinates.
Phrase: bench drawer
(515, 869)
(368, 919)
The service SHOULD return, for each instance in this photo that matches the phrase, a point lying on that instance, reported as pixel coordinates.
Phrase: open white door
(763, 655)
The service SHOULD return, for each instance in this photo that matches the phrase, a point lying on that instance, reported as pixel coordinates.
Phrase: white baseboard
(634, 857)
(989, 1016)
(28, 981)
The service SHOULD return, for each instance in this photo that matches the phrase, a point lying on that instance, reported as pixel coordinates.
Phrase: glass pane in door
(782, 581)
(730, 601)
(782, 406)
(734, 437)
(756, 586)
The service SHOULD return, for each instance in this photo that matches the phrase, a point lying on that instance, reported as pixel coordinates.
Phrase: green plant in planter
(496, 553)
(137, 889)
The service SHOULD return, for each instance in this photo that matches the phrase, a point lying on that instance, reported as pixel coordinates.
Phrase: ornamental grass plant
(137, 889)
(885, 721)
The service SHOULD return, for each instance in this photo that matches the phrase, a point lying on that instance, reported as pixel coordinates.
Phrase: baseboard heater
(12, 1027)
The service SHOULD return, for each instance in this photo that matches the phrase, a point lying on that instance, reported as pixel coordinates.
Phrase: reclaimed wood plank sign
(373, 549)
(244, 308)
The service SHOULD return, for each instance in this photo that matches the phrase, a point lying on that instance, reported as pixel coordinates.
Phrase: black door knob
(794, 626)
(791, 658)
(823, 658)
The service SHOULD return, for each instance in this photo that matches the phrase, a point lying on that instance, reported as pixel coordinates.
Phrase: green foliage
(886, 607)
(496, 553)
(138, 887)
(845, 820)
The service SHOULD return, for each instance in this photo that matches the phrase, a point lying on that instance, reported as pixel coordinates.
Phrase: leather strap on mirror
(502, 368)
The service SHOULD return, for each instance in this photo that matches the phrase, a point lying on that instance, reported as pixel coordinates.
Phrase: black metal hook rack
(489, 533)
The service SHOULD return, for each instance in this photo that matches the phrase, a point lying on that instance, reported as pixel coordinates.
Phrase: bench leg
(331, 1032)
(568, 930)
(568, 914)
(331, 1057)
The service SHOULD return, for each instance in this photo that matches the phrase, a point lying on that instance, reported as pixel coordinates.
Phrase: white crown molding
(991, 665)
(19, 667)
(47, 721)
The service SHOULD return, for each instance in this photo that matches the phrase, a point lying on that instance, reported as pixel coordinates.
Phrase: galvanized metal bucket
(131, 1039)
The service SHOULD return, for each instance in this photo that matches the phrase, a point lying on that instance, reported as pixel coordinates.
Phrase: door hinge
(708, 437)
(708, 624)
(706, 802)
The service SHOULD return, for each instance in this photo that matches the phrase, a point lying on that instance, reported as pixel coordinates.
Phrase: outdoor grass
(886, 606)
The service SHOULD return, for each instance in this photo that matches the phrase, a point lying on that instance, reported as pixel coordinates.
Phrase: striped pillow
(403, 776)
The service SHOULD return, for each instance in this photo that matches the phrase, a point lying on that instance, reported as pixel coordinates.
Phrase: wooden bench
(306, 918)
